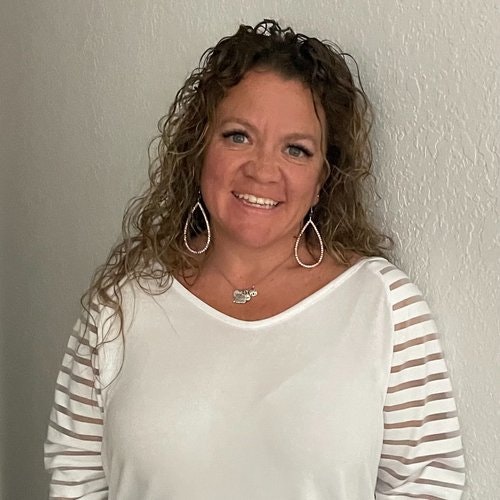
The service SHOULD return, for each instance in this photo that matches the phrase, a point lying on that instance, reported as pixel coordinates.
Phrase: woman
(247, 339)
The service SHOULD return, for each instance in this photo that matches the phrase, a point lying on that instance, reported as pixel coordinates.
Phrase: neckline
(283, 315)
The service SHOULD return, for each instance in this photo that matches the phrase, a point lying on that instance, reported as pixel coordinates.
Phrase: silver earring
(321, 246)
(188, 222)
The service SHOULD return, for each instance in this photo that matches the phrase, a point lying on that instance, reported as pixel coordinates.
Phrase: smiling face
(262, 167)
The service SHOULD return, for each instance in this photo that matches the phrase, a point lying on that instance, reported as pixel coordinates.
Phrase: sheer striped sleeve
(422, 453)
(73, 445)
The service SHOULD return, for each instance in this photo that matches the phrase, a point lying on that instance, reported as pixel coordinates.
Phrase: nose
(263, 167)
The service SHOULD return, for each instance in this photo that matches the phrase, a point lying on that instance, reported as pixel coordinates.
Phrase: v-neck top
(282, 316)
(344, 396)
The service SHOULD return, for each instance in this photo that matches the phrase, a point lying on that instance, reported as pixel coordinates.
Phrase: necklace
(246, 294)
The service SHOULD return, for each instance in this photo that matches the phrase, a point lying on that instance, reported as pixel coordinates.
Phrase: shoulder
(385, 272)
(410, 312)
(123, 303)
(378, 267)
(382, 277)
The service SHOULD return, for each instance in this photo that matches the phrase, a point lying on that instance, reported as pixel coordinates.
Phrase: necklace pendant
(244, 296)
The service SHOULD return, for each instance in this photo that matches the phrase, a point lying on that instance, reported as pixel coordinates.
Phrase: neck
(245, 266)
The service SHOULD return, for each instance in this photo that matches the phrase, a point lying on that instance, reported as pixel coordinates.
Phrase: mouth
(256, 201)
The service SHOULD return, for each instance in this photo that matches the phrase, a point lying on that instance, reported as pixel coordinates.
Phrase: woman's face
(262, 167)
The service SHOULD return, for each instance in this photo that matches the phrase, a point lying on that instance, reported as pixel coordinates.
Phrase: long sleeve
(422, 453)
(73, 445)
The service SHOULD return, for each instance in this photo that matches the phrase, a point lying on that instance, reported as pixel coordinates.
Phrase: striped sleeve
(422, 454)
(73, 445)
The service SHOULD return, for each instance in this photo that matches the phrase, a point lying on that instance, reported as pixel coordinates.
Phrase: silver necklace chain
(246, 294)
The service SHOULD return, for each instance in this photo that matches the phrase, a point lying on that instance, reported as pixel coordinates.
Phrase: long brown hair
(152, 242)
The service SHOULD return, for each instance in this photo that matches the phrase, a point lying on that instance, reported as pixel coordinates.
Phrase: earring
(188, 222)
(321, 246)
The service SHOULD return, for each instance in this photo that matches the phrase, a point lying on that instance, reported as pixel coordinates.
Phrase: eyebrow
(293, 136)
(233, 119)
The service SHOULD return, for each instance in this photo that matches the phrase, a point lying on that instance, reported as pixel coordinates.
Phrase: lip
(256, 201)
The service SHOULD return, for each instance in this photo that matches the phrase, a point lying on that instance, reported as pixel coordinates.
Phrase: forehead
(267, 96)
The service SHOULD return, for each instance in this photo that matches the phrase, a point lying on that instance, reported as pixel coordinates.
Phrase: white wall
(83, 83)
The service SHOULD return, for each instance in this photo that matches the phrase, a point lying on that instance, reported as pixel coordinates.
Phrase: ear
(323, 176)
(316, 195)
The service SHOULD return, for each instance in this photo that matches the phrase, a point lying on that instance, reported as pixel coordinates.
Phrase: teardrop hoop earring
(188, 222)
(321, 246)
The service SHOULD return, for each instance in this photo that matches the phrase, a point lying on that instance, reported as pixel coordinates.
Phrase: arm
(422, 453)
(73, 445)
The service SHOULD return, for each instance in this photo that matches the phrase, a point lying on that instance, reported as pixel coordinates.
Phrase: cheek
(207, 185)
(310, 187)
(213, 167)
(213, 177)
(208, 170)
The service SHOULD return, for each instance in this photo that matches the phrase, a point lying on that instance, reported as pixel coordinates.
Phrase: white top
(343, 396)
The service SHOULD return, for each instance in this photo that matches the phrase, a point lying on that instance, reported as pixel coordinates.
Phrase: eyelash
(303, 149)
(232, 133)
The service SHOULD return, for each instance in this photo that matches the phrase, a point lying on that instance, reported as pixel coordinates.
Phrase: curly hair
(152, 245)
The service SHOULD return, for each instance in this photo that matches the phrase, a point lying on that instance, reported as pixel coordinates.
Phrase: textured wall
(84, 83)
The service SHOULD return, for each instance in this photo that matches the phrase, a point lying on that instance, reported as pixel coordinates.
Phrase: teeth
(265, 202)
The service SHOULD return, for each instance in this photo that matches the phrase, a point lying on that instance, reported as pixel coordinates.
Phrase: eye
(298, 151)
(236, 136)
